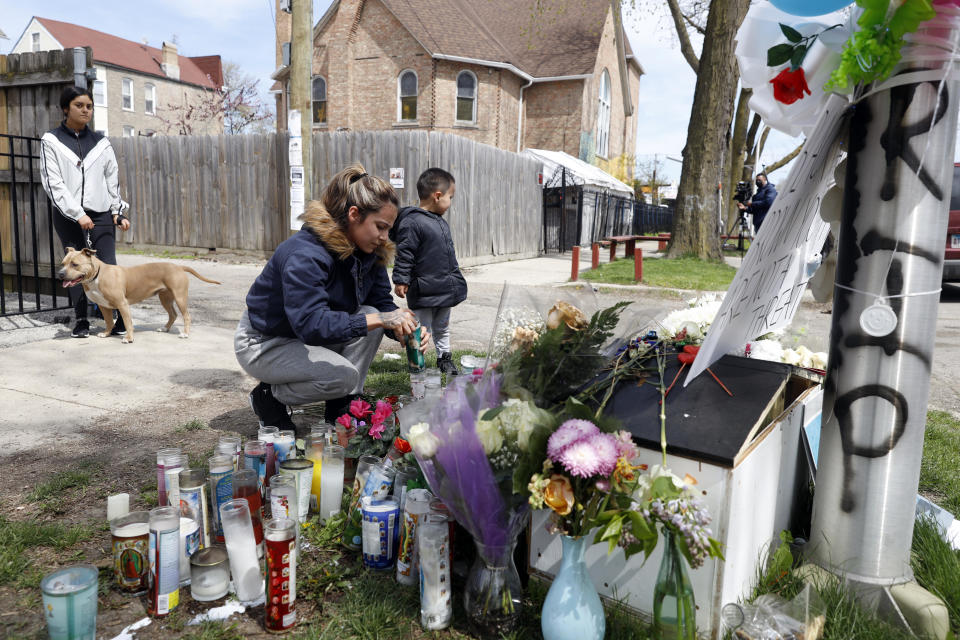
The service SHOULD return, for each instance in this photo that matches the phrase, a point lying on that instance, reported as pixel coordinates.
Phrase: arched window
(319, 92)
(603, 116)
(407, 96)
(466, 97)
(149, 99)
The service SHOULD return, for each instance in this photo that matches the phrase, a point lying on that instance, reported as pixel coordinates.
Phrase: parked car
(951, 262)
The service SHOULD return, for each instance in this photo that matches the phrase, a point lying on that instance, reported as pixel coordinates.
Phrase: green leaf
(798, 55)
(874, 12)
(792, 34)
(613, 529)
(778, 55)
(492, 413)
(640, 528)
(907, 18)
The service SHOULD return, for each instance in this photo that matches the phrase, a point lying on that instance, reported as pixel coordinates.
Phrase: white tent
(578, 172)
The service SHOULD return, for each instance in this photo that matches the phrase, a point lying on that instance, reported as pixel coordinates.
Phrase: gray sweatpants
(437, 322)
(300, 374)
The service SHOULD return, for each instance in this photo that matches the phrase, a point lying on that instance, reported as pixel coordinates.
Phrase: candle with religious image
(280, 610)
(162, 456)
(268, 435)
(221, 490)
(164, 554)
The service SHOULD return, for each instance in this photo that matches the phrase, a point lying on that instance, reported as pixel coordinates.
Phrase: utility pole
(301, 66)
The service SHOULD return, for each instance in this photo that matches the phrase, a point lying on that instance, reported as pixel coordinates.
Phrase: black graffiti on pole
(850, 448)
(896, 139)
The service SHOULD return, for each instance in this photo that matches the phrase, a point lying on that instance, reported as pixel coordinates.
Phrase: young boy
(425, 270)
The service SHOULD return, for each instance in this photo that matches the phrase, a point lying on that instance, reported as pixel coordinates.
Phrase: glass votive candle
(242, 550)
(209, 574)
(331, 481)
(313, 446)
(418, 383)
(433, 376)
(269, 435)
(70, 602)
(245, 485)
(302, 470)
(284, 447)
(131, 543)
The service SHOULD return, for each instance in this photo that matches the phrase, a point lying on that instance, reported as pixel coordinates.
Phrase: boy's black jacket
(426, 260)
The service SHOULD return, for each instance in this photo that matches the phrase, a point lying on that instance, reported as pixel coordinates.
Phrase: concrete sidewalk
(53, 388)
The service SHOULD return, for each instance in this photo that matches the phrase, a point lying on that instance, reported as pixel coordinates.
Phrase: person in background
(317, 312)
(761, 202)
(426, 271)
(79, 172)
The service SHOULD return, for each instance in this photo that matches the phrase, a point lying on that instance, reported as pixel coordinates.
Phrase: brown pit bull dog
(114, 287)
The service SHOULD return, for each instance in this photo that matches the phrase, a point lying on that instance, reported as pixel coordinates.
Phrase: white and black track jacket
(80, 172)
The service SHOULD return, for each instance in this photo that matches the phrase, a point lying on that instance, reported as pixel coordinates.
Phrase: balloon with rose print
(809, 7)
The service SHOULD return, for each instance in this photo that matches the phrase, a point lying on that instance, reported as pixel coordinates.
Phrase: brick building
(135, 82)
(501, 72)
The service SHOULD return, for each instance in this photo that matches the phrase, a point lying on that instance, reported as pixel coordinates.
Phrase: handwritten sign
(767, 289)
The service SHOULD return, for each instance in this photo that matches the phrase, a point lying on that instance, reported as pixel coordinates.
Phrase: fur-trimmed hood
(321, 223)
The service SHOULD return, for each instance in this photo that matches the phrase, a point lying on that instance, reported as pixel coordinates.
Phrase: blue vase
(572, 610)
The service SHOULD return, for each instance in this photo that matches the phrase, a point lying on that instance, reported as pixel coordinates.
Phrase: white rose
(490, 437)
(819, 360)
(422, 441)
(791, 357)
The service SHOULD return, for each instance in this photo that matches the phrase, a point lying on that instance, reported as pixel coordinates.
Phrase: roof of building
(542, 40)
(205, 71)
(578, 171)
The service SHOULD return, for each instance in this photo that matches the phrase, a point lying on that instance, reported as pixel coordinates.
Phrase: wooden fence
(220, 192)
(231, 192)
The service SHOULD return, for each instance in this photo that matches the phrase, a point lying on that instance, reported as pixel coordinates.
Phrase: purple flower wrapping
(460, 473)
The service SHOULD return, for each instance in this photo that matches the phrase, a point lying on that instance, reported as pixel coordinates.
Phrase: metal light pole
(889, 261)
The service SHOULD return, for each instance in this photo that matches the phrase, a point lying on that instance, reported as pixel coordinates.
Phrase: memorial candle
(242, 550)
(331, 481)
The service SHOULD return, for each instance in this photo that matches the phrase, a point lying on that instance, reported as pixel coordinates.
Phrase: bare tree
(650, 177)
(237, 107)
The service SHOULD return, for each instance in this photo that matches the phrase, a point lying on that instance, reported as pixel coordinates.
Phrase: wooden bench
(629, 244)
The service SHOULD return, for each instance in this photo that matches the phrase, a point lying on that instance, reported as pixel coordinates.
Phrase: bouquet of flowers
(583, 469)
(370, 430)
(467, 449)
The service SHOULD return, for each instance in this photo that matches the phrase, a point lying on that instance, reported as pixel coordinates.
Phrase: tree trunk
(696, 219)
(738, 154)
(785, 160)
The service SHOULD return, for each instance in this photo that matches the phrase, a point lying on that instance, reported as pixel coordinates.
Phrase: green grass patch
(215, 630)
(53, 494)
(936, 566)
(673, 273)
(939, 479)
(194, 425)
(17, 537)
(166, 255)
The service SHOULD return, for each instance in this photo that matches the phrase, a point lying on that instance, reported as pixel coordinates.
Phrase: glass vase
(674, 609)
(572, 609)
(493, 593)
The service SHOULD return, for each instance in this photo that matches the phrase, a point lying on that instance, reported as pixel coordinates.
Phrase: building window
(466, 97)
(407, 96)
(126, 92)
(149, 99)
(319, 93)
(128, 131)
(35, 41)
(99, 93)
(603, 116)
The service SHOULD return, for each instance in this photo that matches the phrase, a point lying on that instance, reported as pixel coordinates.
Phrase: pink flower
(625, 447)
(580, 459)
(345, 421)
(605, 446)
(568, 433)
(376, 430)
(384, 411)
(359, 408)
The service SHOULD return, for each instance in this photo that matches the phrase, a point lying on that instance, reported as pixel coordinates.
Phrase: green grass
(936, 566)
(194, 425)
(17, 537)
(673, 273)
(215, 630)
(939, 478)
(54, 494)
(166, 255)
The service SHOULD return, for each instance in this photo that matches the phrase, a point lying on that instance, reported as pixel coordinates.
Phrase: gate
(29, 254)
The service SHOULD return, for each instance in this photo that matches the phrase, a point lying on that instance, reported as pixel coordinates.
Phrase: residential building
(509, 73)
(137, 86)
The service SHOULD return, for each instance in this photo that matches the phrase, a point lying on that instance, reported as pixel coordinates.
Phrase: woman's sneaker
(81, 329)
(270, 411)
